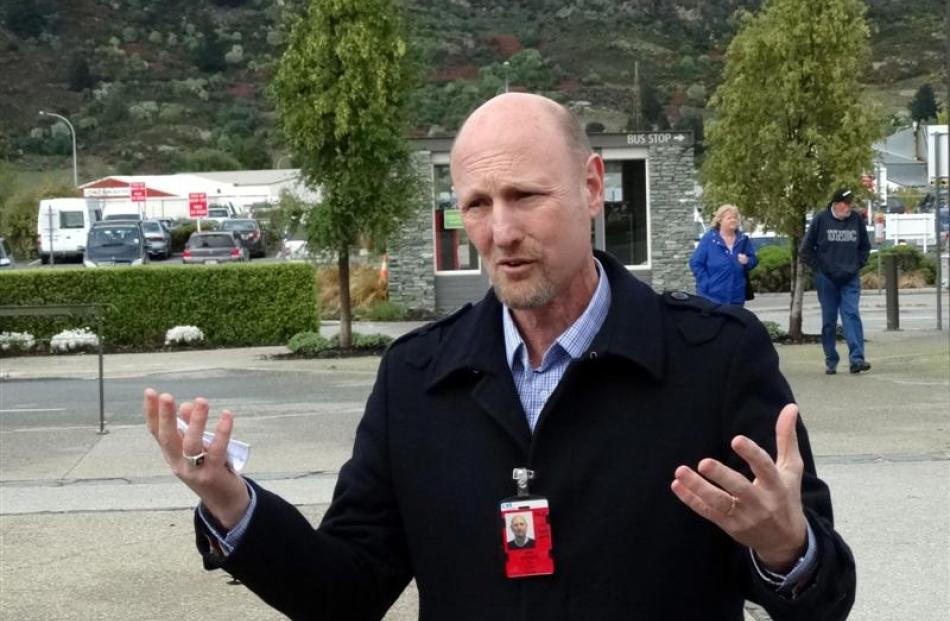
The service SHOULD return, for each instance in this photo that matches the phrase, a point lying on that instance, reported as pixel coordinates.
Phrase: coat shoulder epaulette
(432, 326)
(700, 320)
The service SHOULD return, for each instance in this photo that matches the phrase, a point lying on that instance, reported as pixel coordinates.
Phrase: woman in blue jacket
(722, 258)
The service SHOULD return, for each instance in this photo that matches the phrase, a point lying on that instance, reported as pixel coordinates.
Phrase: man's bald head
(524, 109)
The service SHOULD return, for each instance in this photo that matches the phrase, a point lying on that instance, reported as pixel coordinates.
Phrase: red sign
(198, 204)
(138, 191)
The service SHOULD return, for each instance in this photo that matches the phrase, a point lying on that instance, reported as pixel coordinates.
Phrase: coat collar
(633, 329)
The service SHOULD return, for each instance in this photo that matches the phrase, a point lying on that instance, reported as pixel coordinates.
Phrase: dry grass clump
(905, 280)
(366, 288)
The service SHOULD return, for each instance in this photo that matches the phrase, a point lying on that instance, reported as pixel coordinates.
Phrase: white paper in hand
(238, 452)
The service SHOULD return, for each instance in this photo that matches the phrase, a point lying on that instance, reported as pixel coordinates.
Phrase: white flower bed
(16, 341)
(73, 340)
(184, 335)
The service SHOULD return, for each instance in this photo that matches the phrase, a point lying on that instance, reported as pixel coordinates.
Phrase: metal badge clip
(522, 476)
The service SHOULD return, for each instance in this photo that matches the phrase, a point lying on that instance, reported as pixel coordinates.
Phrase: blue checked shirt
(536, 385)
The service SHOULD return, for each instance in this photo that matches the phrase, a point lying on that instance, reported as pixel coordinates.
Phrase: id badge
(526, 537)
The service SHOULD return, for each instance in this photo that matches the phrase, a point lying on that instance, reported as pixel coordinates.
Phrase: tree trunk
(798, 293)
(343, 265)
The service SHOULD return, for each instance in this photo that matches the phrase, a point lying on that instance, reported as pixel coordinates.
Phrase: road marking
(33, 410)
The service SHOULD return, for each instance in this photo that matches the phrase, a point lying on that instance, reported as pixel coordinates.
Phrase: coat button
(679, 296)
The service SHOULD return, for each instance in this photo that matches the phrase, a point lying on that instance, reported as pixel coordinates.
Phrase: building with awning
(166, 196)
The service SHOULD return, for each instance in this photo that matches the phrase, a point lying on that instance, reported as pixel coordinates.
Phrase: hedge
(234, 305)
(909, 259)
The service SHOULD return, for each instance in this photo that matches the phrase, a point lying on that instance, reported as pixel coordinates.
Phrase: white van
(62, 225)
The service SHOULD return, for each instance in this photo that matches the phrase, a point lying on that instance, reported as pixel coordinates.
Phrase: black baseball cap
(844, 195)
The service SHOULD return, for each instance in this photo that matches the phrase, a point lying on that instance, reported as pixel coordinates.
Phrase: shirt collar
(578, 337)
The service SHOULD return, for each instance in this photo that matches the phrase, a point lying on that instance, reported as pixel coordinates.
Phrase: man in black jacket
(836, 247)
(665, 483)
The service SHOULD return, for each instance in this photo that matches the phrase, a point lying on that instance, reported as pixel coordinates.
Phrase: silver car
(214, 247)
(158, 238)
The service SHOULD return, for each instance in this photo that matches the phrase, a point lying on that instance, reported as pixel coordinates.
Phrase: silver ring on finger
(195, 460)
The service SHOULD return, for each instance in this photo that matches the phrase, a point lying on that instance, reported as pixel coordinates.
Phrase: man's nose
(506, 224)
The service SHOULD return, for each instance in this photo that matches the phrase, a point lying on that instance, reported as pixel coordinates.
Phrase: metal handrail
(55, 310)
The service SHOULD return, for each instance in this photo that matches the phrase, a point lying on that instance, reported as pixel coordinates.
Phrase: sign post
(138, 193)
(198, 206)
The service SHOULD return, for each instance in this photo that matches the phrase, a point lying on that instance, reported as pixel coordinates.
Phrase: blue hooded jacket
(719, 275)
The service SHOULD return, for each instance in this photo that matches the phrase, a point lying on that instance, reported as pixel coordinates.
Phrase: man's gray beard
(535, 296)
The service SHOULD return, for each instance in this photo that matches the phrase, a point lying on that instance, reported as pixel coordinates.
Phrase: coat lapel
(475, 348)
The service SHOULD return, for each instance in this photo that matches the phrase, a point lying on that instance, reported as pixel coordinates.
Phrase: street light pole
(72, 132)
(506, 65)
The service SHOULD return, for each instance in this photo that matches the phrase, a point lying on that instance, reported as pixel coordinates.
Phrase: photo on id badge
(527, 538)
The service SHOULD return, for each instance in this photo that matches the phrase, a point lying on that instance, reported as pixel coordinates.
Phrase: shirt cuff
(230, 539)
(797, 578)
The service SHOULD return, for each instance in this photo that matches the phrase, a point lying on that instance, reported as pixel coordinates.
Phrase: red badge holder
(526, 531)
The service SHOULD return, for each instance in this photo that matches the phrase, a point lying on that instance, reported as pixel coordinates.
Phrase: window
(71, 220)
(453, 250)
(625, 211)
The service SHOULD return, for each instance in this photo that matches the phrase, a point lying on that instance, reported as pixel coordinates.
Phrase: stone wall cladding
(411, 254)
(673, 197)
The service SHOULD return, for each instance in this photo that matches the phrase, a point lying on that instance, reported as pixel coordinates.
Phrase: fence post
(102, 397)
(890, 284)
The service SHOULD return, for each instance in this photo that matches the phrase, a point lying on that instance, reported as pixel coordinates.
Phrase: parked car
(895, 205)
(159, 238)
(250, 233)
(119, 242)
(135, 217)
(214, 247)
(6, 256)
(219, 213)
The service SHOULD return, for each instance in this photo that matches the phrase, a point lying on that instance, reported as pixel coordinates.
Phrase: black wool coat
(668, 380)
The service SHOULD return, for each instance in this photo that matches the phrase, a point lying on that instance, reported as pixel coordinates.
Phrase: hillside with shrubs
(156, 86)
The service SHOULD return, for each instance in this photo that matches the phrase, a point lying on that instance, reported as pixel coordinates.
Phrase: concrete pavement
(98, 530)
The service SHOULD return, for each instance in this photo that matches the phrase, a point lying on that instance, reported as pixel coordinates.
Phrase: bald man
(519, 534)
(660, 434)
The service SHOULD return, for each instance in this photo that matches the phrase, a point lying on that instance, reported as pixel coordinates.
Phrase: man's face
(843, 209)
(519, 527)
(526, 202)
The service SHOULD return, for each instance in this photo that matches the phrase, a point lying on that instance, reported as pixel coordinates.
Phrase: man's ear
(594, 184)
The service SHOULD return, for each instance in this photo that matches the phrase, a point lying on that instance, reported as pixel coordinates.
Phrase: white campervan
(62, 225)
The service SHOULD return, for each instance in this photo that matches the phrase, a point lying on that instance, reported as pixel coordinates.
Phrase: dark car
(119, 242)
(159, 238)
(895, 205)
(250, 233)
(214, 247)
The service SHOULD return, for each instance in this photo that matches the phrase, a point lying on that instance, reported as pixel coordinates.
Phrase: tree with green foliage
(18, 210)
(923, 107)
(25, 18)
(790, 123)
(341, 92)
(209, 55)
(78, 74)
